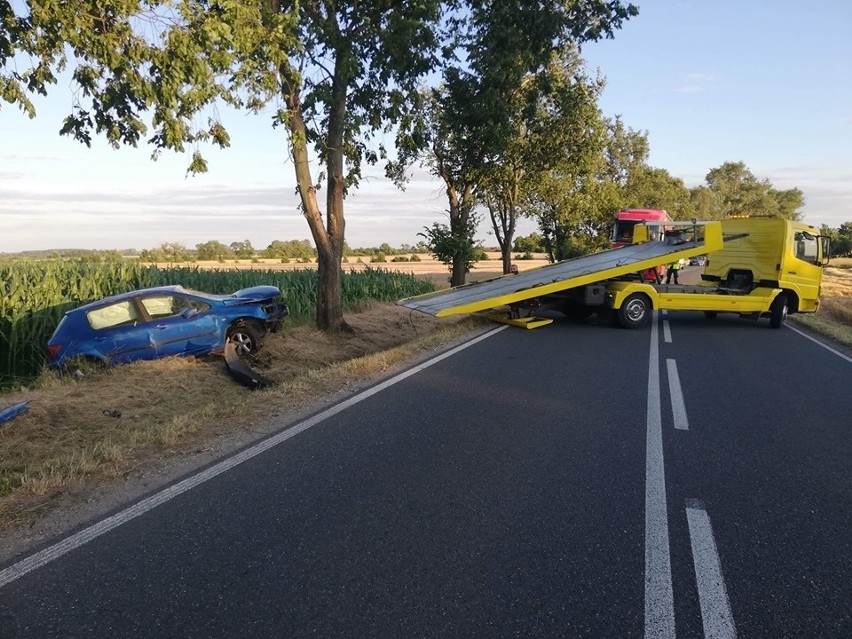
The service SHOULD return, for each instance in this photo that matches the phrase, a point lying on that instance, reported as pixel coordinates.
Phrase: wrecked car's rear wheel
(245, 338)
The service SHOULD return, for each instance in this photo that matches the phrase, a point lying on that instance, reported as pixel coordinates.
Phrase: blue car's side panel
(198, 329)
(194, 336)
(123, 344)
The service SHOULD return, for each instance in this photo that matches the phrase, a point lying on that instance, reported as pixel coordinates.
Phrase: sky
(765, 83)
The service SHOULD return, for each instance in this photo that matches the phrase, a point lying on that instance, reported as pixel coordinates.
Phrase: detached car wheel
(245, 338)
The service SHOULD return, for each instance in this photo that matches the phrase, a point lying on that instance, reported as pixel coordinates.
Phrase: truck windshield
(806, 247)
(623, 231)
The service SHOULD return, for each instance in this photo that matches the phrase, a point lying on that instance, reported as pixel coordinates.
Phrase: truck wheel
(710, 314)
(778, 311)
(635, 311)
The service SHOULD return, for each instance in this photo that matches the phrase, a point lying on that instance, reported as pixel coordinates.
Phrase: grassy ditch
(834, 319)
(113, 423)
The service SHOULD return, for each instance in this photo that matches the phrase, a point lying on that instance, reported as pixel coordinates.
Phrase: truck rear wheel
(778, 311)
(635, 311)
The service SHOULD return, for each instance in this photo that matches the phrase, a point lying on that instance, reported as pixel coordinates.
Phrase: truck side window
(806, 247)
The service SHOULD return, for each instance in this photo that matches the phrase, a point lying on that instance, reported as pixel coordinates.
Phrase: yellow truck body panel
(758, 301)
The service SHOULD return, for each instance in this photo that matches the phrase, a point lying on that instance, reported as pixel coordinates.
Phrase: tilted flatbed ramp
(553, 278)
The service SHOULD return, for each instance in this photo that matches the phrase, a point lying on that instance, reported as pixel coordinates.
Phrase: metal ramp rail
(568, 274)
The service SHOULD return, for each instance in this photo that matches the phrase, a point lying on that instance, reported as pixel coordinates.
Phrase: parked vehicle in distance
(699, 260)
(622, 234)
(166, 321)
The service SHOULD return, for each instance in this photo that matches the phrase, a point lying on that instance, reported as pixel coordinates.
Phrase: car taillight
(53, 351)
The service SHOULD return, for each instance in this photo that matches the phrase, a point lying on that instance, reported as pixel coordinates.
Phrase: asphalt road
(691, 480)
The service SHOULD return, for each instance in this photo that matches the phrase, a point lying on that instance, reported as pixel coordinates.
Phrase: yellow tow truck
(756, 267)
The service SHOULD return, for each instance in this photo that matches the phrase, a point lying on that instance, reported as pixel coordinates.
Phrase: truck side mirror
(825, 250)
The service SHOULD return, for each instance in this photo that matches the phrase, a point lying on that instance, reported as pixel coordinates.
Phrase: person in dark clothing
(671, 271)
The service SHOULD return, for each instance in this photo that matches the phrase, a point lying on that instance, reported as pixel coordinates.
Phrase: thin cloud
(695, 82)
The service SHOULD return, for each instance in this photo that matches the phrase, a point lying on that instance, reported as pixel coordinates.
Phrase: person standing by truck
(671, 270)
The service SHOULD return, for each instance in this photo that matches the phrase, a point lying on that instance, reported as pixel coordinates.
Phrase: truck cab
(771, 253)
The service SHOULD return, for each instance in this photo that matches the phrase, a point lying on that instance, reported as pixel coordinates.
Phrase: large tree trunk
(328, 237)
(460, 209)
(503, 218)
(504, 215)
(329, 298)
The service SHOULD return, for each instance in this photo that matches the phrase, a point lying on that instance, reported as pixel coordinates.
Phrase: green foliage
(213, 251)
(841, 239)
(294, 249)
(652, 188)
(485, 128)
(379, 257)
(447, 246)
(243, 250)
(532, 243)
(739, 192)
(479, 254)
(337, 74)
(170, 252)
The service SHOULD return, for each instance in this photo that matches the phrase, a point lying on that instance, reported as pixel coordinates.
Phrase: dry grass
(834, 318)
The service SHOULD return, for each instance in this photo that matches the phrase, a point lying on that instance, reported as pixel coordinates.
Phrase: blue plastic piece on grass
(10, 412)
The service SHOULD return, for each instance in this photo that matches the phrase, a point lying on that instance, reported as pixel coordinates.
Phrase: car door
(180, 325)
(118, 333)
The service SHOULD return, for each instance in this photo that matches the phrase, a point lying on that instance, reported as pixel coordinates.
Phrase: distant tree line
(285, 251)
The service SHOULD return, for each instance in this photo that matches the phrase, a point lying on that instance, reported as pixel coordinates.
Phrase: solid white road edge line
(816, 341)
(678, 405)
(659, 600)
(21, 568)
(712, 594)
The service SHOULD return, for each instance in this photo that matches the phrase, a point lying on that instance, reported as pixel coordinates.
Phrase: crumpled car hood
(252, 294)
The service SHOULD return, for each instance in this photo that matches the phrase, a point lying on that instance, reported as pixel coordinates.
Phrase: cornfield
(35, 294)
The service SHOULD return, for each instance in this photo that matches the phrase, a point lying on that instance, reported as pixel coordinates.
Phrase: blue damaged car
(166, 321)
